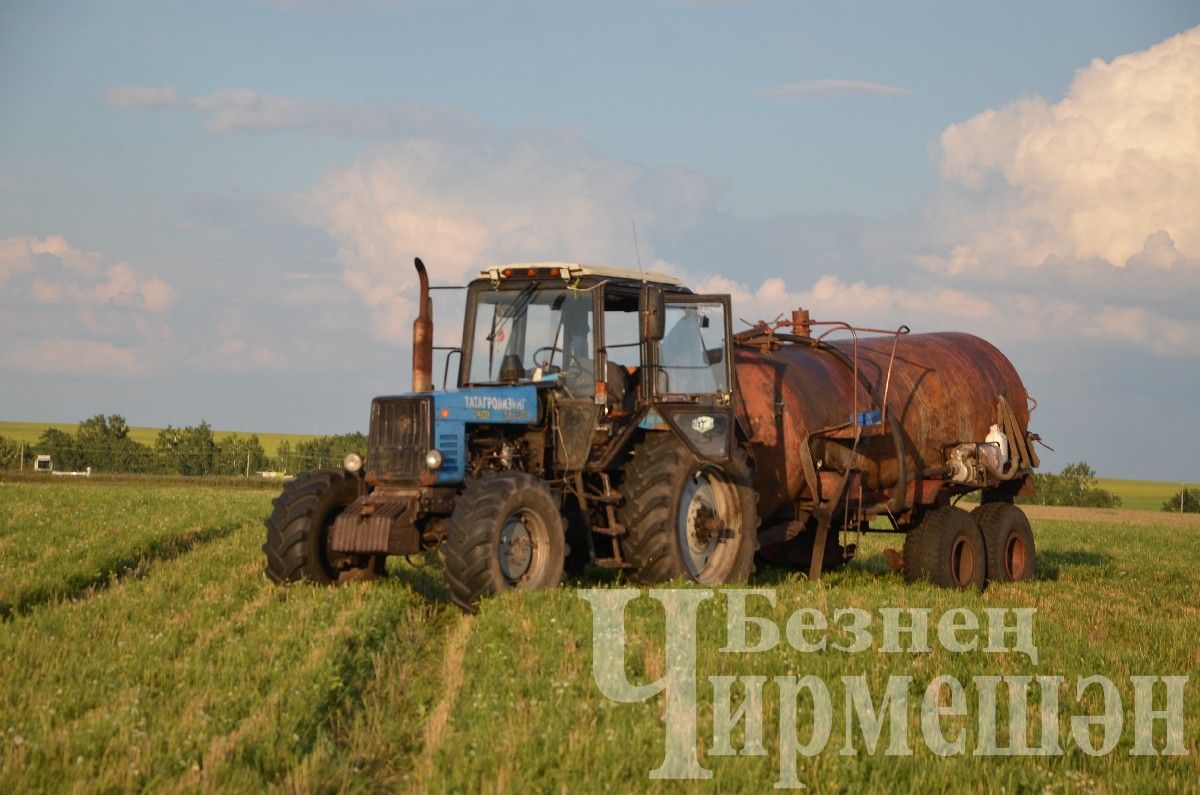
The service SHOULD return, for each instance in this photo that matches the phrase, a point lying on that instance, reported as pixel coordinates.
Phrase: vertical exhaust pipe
(422, 336)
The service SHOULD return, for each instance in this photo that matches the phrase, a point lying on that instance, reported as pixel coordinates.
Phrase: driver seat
(620, 393)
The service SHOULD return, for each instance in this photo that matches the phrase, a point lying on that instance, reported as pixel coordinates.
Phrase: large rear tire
(1008, 537)
(506, 533)
(297, 546)
(946, 548)
(687, 519)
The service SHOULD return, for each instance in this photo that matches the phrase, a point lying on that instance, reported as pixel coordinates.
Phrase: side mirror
(652, 311)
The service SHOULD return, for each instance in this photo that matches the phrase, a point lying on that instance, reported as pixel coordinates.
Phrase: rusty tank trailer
(940, 388)
(611, 417)
(894, 424)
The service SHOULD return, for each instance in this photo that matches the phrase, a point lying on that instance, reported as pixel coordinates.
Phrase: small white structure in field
(87, 473)
(43, 464)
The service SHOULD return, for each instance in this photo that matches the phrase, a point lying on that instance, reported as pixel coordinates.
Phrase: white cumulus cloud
(1110, 171)
(71, 313)
(467, 204)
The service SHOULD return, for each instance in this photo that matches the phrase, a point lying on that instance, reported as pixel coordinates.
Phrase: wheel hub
(962, 562)
(699, 523)
(516, 548)
(1015, 557)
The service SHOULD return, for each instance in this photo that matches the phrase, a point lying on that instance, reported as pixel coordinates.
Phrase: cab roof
(568, 271)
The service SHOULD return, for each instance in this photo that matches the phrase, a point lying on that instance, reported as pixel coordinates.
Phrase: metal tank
(891, 423)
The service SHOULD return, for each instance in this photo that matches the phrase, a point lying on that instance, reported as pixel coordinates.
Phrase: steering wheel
(546, 366)
(571, 367)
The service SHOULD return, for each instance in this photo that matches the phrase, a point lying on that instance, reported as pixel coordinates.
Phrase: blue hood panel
(492, 405)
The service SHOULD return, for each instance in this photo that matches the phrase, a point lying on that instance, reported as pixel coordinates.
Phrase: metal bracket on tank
(824, 514)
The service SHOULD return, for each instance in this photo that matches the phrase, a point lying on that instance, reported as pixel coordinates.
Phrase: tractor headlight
(433, 459)
(352, 462)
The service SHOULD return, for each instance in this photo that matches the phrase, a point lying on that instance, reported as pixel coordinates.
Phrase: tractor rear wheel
(685, 518)
(1009, 540)
(297, 546)
(946, 548)
(506, 533)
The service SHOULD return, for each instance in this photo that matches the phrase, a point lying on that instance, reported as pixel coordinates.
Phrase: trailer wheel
(297, 546)
(946, 548)
(685, 518)
(1009, 540)
(506, 533)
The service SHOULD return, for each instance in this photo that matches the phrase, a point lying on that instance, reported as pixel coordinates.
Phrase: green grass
(1142, 495)
(142, 648)
(30, 431)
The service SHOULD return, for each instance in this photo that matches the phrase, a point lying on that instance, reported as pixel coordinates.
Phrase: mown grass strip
(379, 744)
(61, 543)
(199, 674)
(435, 728)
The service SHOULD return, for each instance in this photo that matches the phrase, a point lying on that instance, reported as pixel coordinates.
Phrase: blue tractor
(592, 422)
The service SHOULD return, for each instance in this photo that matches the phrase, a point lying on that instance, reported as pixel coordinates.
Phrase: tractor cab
(610, 349)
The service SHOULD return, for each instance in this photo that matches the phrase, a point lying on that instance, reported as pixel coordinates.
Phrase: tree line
(103, 443)
(1074, 485)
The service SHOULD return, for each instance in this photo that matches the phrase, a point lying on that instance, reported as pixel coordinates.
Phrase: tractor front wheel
(297, 546)
(506, 533)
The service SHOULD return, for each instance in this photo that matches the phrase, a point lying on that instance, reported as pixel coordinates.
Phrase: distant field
(30, 431)
(144, 650)
(1141, 495)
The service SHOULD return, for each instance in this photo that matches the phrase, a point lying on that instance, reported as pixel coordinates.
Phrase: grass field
(142, 648)
(1142, 495)
(30, 431)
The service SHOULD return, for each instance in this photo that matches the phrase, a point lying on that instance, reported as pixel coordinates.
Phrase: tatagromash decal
(703, 424)
(493, 403)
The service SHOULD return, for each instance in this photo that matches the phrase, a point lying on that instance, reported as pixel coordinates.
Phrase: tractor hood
(404, 428)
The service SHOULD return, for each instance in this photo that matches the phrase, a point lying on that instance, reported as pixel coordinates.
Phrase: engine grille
(400, 434)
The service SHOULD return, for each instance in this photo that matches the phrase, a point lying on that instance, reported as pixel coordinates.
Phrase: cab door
(689, 353)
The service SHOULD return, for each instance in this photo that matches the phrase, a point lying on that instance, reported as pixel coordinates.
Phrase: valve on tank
(971, 462)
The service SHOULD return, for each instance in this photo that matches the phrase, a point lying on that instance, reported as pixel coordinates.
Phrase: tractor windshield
(521, 332)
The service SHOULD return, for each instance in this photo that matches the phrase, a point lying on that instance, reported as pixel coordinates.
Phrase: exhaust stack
(422, 336)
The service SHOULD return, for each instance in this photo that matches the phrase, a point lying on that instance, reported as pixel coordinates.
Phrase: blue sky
(209, 210)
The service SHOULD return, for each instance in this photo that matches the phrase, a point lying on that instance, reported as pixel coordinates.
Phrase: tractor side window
(692, 353)
(622, 341)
